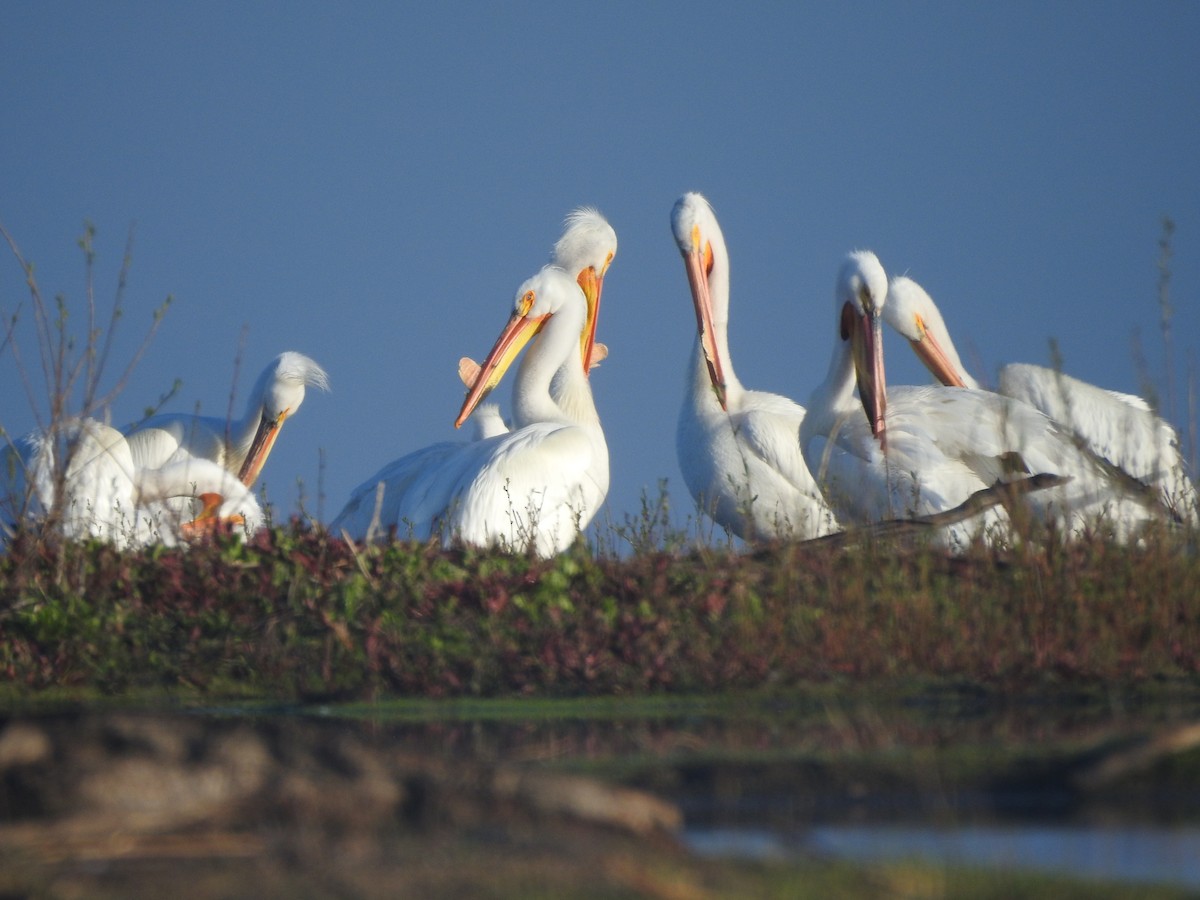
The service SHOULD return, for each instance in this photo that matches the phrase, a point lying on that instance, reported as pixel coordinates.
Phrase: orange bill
(516, 334)
(930, 352)
(260, 447)
(592, 284)
(865, 333)
(698, 264)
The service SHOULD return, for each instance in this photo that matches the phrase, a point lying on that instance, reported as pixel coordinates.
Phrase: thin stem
(1165, 311)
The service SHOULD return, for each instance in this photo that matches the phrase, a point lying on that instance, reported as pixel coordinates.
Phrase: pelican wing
(171, 438)
(1120, 428)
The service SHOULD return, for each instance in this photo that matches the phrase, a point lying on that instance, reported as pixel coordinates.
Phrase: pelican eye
(525, 304)
(865, 299)
(708, 259)
(920, 323)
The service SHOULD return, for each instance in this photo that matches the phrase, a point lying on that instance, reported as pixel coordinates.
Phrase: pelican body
(83, 474)
(535, 487)
(1119, 428)
(241, 446)
(924, 450)
(737, 448)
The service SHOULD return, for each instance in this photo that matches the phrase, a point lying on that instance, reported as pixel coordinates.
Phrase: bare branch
(117, 312)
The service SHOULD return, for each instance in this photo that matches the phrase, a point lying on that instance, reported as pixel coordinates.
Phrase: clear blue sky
(368, 184)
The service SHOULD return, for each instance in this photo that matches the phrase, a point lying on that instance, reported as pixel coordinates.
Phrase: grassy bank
(299, 614)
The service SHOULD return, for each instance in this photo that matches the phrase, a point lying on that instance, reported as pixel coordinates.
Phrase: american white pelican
(83, 475)
(536, 486)
(585, 249)
(924, 450)
(240, 446)
(1120, 428)
(737, 448)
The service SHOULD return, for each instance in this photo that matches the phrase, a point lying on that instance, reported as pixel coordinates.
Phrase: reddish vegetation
(297, 614)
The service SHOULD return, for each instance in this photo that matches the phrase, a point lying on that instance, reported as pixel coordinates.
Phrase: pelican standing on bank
(241, 446)
(737, 448)
(1120, 428)
(923, 450)
(537, 486)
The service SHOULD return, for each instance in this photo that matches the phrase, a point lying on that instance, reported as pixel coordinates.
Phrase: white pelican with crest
(1120, 428)
(737, 448)
(537, 486)
(241, 446)
(923, 450)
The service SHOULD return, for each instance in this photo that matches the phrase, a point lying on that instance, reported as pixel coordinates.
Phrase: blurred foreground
(572, 799)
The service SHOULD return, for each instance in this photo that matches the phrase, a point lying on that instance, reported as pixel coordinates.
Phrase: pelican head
(695, 227)
(537, 300)
(586, 249)
(912, 312)
(860, 295)
(277, 395)
(235, 511)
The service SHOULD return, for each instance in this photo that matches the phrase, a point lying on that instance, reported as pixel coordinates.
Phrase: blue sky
(369, 183)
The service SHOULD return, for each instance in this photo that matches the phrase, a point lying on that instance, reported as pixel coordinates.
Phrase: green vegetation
(297, 614)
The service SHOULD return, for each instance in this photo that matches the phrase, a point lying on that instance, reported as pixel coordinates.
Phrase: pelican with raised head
(535, 487)
(585, 249)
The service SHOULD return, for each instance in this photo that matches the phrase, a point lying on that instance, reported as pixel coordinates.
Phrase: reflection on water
(1135, 854)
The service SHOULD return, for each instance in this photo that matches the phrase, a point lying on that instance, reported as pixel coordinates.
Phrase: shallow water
(1138, 854)
(977, 785)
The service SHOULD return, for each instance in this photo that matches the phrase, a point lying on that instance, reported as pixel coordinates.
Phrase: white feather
(742, 463)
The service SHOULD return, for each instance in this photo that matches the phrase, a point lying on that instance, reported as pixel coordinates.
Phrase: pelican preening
(536, 486)
(82, 474)
(1119, 428)
(920, 450)
(737, 448)
(241, 446)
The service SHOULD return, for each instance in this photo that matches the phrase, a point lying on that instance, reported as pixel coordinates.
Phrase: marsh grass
(297, 614)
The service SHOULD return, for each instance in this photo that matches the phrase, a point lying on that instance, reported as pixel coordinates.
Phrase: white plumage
(585, 249)
(737, 448)
(242, 445)
(1119, 428)
(83, 474)
(536, 486)
(921, 450)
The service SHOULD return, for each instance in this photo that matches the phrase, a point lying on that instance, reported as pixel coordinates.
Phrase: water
(1135, 854)
(869, 784)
